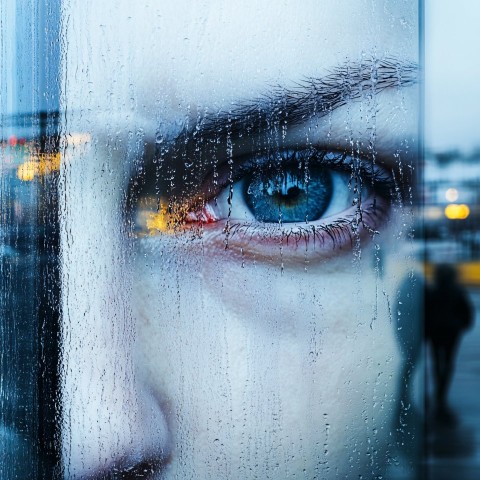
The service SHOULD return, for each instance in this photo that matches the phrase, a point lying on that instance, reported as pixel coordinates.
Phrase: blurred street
(453, 450)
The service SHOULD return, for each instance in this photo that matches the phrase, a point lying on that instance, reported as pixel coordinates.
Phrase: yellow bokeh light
(157, 221)
(27, 171)
(451, 194)
(48, 163)
(163, 220)
(455, 211)
(39, 165)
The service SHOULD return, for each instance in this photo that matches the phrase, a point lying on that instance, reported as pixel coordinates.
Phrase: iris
(289, 195)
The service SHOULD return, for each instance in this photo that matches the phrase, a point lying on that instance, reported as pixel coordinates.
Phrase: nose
(111, 420)
(112, 425)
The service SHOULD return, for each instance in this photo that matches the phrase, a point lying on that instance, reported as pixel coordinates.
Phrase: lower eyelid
(295, 243)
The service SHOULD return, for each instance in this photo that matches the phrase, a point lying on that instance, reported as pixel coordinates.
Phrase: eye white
(342, 199)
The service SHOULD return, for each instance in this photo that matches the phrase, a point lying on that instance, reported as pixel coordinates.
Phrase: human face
(215, 339)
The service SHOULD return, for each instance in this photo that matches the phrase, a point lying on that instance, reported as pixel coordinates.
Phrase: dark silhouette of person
(409, 333)
(448, 313)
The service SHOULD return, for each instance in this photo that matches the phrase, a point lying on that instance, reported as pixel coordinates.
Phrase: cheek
(257, 364)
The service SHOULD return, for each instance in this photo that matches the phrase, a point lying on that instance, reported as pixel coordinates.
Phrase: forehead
(165, 58)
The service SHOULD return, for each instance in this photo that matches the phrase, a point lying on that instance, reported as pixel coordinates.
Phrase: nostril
(129, 441)
(125, 469)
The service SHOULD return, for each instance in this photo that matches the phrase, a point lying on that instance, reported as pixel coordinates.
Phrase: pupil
(271, 196)
(288, 199)
(293, 193)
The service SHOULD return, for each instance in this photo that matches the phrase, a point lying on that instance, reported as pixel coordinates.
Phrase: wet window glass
(29, 239)
(228, 221)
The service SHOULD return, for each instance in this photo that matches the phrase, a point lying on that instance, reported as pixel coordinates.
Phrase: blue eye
(289, 198)
(288, 195)
(297, 187)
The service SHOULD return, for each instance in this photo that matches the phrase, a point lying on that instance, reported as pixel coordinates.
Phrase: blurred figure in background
(448, 313)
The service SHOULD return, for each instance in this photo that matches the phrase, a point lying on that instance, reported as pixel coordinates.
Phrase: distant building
(451, 199)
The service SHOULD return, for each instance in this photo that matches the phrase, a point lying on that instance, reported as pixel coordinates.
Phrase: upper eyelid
(198, 158)
(366, 170)
(203, 189)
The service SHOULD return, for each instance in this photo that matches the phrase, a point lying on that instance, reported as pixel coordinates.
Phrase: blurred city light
(76, 139)
(433, 213)
(157, 221)
(455, 211)
(27, 171)
(38, 165)
(451, 194)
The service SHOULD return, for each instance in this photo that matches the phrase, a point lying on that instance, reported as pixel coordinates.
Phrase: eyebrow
(309, 98)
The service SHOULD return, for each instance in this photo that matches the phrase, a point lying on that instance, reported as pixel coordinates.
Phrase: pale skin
(262, 360)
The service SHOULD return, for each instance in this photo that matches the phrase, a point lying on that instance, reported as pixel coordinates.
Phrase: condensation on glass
(239, 292)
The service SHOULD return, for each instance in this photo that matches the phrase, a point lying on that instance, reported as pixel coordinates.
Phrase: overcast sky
(452, 74)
